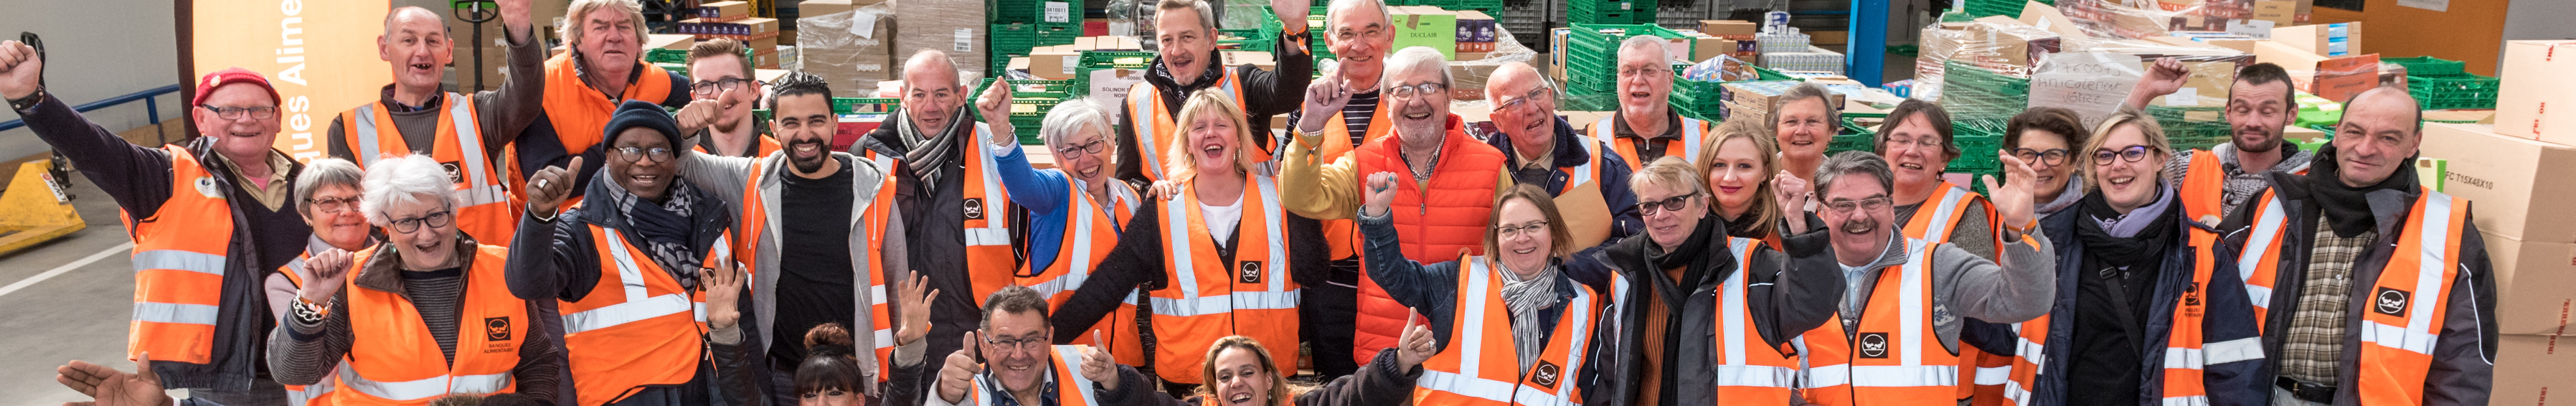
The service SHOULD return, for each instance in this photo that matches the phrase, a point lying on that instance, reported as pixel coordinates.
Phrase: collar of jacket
(1630, 255)
(383, 271)
(1819, 244)
(1569, 147)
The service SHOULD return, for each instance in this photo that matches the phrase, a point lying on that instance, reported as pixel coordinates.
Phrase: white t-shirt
(1221, 220)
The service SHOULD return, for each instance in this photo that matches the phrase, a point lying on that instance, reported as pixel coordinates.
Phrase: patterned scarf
(665, 229)
(1525, 298)
(931, 151)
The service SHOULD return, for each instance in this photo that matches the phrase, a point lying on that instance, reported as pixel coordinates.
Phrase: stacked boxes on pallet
(1980, 101)
(733, 20)
(1021, 25)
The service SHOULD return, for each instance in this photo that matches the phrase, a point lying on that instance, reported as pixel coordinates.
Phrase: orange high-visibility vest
(1933, 222)
(317, 394)
(1895, 357)
(2403, 318)
(638, 328)
(2262, 255)
(2186, 352)
(1343, 235)
(1461, 186)
(1155, 128)
(485, 211)
(1748, 372)
(1204, 299)
(1071, 388)
(2204, 186)
(393, 359)
(757, 226)
(1692, 131)
(761, 146)
(991, 263)
(1090, 233)
(179, 262)
(1481, 366)
(579, 112)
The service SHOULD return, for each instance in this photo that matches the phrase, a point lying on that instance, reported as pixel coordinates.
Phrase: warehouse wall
(97, 49)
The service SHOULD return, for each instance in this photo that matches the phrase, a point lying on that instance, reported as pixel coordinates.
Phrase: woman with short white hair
(1080, 200)
(428, 312)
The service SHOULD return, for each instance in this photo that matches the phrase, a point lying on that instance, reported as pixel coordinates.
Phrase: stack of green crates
(1856, 136)
(2007, 8)
(1035, 12)
(1973, 93)
(1610, 12)
(1097, 60)
(674, 60)
(1595, 48)
(1707, 99)
(1016, 39)
(856, 105)
(2442, 84)
(2193, 127)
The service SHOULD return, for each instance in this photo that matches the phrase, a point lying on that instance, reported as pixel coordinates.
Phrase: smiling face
(608, 40)
(2378, 136)
(248, 138)
(1212, 139)
(931, 93)
(1360, 36)
(737, 109)
(1239, 379)
(1529, 244)
(2052, 177)
(2127, 185)
(1185, 43)
(1426, 112)
(345, 226)
(1805, 128)
(1670, 226)
(1531, 116)
(1020, 369)
(1645, 80)
(639, 173)
(1076, 152)
(804, 125)
(1861, 231)
(1737, 176)
(1915, 151)
(416, 45)
(429, 246)
(2257, 113)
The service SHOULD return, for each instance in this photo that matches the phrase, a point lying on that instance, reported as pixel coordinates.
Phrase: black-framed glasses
(1023, 345)
(1846, 206)
(439, 219)
(630, 154)
(2051, 157)
(1526, 99)
(2132, 154)
(236, 113)
(1652, 207)
(1511, 230)
(1409, 91)
(1095, 146)
(331, 204)
(704, 87)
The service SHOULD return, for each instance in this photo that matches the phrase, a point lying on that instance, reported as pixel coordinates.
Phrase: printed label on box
(1058, 12)
(965, 40)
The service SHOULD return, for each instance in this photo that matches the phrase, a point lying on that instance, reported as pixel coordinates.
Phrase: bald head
(1512, 79)
(2381, 132)
(932, 93)
(930, 68)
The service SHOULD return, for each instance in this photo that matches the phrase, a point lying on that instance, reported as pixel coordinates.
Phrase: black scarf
(2146, 247)
(1690, 257)
(2347, 208)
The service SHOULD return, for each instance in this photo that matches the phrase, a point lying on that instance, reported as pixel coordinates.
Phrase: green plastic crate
(659, 55)
(855, 105)
(2466, 91)
(2428, 66)
(1031, 11)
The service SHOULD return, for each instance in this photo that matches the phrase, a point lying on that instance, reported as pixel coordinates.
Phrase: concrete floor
(80, 313)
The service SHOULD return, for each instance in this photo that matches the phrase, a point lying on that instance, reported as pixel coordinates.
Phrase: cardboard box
(2016, 43)
(816, 8)
(2289, 57)
(2047, 17)
(852, 50)
(2504, 176)
(2528, 367)
(1059, 62)
(1257, 59)
(2338, 39)
(1822, 38)
(2281, 13)
(1729, 28)
(1475, 26)
(669, 41)
(2341, 78)
(1703, 48)
(2531, 278)
(724, 10)
(2536, 78)
(1426, 26)
(957, 27)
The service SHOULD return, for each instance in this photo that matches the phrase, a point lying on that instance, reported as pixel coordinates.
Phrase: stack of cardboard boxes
(1476, 35)
(850, 43)
(957, 27)
(2507, 170)
(733, 20)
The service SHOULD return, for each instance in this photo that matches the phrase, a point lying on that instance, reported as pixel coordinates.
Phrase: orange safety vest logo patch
(1873, 345)
(496, 328)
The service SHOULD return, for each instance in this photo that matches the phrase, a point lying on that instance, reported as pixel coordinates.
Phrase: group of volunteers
(568, 239)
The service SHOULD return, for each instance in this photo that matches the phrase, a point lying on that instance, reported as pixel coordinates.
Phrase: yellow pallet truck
(35, 208)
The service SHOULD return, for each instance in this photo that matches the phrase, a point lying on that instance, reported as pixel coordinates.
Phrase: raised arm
(137, 177)
(505, 111)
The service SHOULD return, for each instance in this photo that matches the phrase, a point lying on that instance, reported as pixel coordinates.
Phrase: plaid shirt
(2313, 345)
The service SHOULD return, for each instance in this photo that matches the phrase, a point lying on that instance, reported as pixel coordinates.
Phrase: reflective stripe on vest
(2261, 254)
(1876, 365)
(395, 359)
(486, 210)
(1204, 299)
(1461, 376)
(1935, 228)
(1607, 130)
(180, 264)
(1152, 123)
(1746, 370)
(423, 389)
(2402, 319)
(639, 305)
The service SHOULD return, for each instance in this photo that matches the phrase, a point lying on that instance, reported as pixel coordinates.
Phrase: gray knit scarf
(1525, 298)
(929, 152)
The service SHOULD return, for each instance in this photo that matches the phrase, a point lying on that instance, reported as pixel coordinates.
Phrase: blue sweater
(1043, 192)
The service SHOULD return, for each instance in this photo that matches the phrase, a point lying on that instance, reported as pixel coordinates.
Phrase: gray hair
(1411, 58)
(1544, 84)
(1336, 7)
(1803, 92)
(1854, 163)
(407, 179)
(324, 172)
(1207, 17)
(578, 14)
(1648, 42)
(1071, 117)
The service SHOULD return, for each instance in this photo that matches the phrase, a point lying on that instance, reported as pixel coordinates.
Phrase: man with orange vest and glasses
(720, 118)
(1588, 180)
(840, 212)
(1898, 340)
(1696, 315)
(1360, 35)
(1448, 188)
(2144, 312)
(425, 314)
(584, 88)
(1188, 62)
(2374, 290)
(2260, 103)
(623, 265)
(1013, 360)
(210, 218)
(956, 216)
(1646, 127)
(1221, 253)
(1079, 203)
(470, 135)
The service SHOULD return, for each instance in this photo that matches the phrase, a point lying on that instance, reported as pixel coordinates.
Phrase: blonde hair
(1208, 101)
(1670, 172)
(2155, 134)
(1560, 236)
(1278, 382)
(580, 10)
(1766, 205)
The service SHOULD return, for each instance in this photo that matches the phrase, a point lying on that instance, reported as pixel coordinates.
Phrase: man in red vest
(416, 116)
(2379, 290)
(1451, 178)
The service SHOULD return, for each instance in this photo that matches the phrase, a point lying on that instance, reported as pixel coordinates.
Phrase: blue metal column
(1866, 52)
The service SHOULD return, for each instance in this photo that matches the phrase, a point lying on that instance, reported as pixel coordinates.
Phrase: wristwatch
(29, 102)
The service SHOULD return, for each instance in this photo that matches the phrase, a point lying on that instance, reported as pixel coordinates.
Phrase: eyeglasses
(2052, 157)
(1926, 141)
(439, 219)
(1525, 100)
(2132, 154)
(330, 205)
(1635, 71)
(719, 85)
(1024, 345)
(1354, 35)
(1409, 91)
(1093, 147)
(236, 113)
(630, 154)
(1533, 227)
(1652, 207)
(1846, 206)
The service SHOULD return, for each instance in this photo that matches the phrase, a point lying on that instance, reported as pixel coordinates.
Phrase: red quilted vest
(1436, 225)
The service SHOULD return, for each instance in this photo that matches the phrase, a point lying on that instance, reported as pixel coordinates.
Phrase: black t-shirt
(814, 283)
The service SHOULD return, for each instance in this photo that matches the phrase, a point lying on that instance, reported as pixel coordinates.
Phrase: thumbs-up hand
(1098, 366)
(958, 376)
(548, 188)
